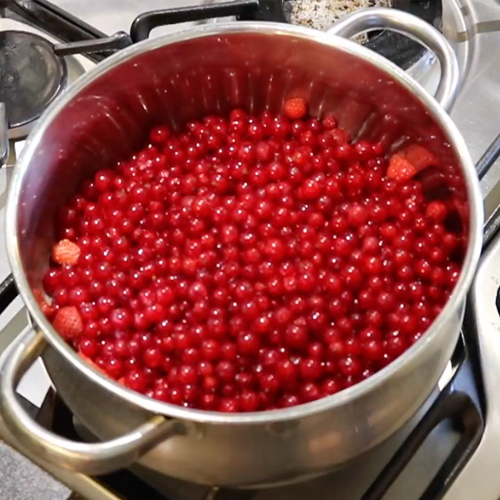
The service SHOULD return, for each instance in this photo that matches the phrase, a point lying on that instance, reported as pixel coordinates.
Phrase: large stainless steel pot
(104, 117)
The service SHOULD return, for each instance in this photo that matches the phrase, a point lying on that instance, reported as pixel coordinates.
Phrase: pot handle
(86, 458)
(415, 28)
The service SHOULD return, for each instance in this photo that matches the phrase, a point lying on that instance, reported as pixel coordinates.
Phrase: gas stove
(449, 449)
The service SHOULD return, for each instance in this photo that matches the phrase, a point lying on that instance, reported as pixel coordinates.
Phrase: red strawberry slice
(419, 157)
(68, 322)
(295, 108)
(65, 252)
(400, 169)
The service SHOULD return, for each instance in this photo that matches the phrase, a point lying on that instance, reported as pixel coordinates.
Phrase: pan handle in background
(86, 458)
(415, 28)
(120, 40)
(146, 22)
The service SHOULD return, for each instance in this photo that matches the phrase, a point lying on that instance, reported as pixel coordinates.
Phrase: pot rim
(347, 395)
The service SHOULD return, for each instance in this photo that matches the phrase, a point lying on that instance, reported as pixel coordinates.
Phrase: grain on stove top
(321, 14)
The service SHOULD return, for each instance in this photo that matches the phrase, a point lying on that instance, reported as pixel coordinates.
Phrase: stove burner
(31, 76)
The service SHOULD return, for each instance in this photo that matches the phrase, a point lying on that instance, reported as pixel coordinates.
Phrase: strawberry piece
(46, 308)
(419, 157)
(295, 108)
(400, 169)
(68, 322)
(66, 252)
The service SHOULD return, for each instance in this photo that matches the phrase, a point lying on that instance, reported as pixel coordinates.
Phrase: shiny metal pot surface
(104, 117)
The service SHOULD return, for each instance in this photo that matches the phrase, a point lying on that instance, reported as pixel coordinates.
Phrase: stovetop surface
(473, 27)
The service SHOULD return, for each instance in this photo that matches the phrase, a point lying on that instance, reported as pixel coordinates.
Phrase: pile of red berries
(251, 262)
